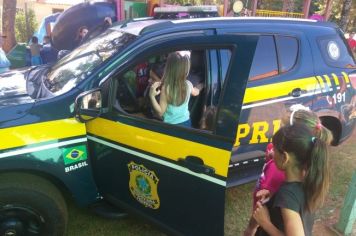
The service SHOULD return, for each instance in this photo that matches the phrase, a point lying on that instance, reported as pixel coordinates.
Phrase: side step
(106, 210)
(245, 168)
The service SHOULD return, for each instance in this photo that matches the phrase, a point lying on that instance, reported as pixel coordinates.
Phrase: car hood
(13, 88)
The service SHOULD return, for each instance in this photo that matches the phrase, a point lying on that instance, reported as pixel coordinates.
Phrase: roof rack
(125, 22)
(202, 8)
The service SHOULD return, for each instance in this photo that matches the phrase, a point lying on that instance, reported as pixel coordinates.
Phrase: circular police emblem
(333, 50)
(143, 185)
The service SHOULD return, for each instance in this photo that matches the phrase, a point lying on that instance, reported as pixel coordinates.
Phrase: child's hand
(154, 91)
(200, 86)
(261, 214)
(269, 152)
(263, 194)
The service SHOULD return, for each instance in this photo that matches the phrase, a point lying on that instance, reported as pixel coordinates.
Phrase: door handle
(196, 164)
(297, 92)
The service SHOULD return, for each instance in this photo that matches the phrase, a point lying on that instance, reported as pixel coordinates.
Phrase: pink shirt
(271, 177)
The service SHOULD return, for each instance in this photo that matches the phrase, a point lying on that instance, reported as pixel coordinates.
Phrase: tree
(8, 19)
(338, 13)
(345, 13)
(20, 25)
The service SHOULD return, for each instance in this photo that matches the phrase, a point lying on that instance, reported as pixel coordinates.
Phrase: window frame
(279, 57)
(207, 63)
(277, 61)
(148, 121)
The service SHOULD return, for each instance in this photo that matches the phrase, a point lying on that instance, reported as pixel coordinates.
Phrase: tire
(30, 205)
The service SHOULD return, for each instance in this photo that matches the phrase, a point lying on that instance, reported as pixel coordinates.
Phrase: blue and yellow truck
(79, 127)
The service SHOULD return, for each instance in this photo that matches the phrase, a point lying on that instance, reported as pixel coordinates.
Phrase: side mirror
(88, 105)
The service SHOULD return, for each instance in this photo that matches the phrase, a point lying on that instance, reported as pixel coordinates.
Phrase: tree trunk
(8, 24)
(345, 13)
(329, 4)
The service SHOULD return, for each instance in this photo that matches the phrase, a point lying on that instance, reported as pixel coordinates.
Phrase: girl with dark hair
(304, 159)
(271, 177)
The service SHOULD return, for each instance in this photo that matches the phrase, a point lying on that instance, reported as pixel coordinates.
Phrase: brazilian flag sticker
(74, 154)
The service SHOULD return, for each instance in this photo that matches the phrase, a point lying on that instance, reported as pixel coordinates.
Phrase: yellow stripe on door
(163, 145)
(276, 90)
(40, 132)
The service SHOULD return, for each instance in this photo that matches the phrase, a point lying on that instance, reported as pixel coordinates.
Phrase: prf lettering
(257, 130)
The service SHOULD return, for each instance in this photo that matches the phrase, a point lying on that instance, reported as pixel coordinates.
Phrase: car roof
(144, 26)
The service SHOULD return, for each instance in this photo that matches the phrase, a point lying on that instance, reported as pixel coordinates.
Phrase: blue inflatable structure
(42, 31)
(89, 14)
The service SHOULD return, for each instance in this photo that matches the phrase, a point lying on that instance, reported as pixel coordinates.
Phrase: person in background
(317, 17)
(35, 49)
(4, 62)
(304, 158)
(352, 42)
(81, 33)
(47, 52)
(107, 23)
(316, 14)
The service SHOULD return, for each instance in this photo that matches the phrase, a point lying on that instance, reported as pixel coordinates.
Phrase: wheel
(30, 205)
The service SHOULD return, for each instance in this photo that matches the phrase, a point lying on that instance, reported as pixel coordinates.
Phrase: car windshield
(81, 62)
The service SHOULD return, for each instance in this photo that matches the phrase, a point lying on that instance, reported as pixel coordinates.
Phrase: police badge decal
(143, 185)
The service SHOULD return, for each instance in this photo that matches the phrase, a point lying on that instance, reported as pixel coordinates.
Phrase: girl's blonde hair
(175, 73)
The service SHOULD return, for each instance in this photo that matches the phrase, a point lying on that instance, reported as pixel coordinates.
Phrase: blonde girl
(175, 92)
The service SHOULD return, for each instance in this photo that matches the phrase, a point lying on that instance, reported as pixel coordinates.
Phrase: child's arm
(293, 224)
(196, 90)
(263, 194)
(160, 108)
(262, 217)
(154, 76)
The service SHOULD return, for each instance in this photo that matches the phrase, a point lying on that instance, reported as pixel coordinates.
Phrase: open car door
(172, 175)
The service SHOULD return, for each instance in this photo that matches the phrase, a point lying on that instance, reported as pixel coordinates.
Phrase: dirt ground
(325, 224)
(327, 227)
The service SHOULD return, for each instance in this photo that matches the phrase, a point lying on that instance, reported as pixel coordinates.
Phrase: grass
(237, 207)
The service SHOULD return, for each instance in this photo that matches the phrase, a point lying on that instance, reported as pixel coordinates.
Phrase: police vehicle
(81, 126)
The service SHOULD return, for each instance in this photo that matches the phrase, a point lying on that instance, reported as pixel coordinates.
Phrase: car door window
(134, 85)
(225, 57)
(219, 61)
(287, 52)
(264, 63)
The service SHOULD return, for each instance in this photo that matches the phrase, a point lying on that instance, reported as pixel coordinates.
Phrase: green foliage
(272, 5)
(20, 25)
(336, 14)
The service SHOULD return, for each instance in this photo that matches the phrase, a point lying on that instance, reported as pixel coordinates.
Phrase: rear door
(172, 175)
